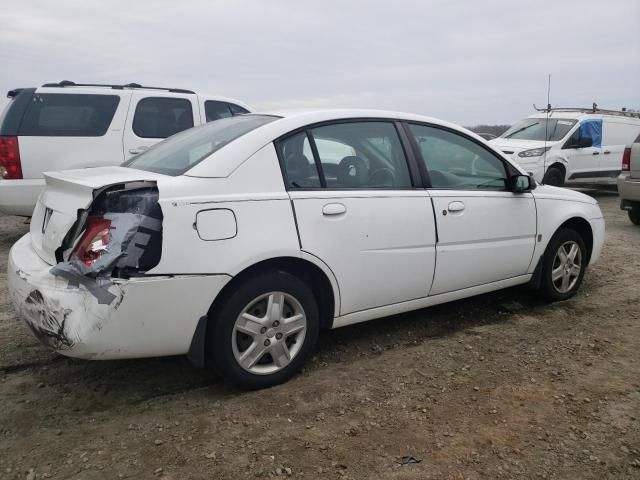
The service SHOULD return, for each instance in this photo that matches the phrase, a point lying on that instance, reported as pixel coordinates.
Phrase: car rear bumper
(628, 188)
(18, 197)
(139, 317)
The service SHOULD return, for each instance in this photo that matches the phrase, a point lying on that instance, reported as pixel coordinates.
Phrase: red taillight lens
(626, 160)
(94, 241)
(10, 167)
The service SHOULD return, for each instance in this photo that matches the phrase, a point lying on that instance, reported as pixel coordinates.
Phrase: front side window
(161, 117)
(456, 162)
(350, 155)
(183, 151)
(553, 129)
(215, 110)
(68, 115)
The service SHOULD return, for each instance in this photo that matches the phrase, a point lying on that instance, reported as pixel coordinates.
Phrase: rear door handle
(138, 150)
(455, 206)
(607, 152)
(333, 209)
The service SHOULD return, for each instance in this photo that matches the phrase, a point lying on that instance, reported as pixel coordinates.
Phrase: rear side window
(346, 155)
(161, 117)
(215, 110)
(178, 154)
(68, 115)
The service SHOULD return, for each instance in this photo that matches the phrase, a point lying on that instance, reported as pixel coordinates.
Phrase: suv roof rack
(68, 83)
(594, 109)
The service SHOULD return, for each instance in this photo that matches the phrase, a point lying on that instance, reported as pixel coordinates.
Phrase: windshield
(179, 153)
(535, 128)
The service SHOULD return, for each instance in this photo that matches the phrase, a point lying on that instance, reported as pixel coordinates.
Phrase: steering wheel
(387, 177)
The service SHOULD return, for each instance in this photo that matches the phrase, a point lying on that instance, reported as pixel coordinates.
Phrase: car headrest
(352, 172)
(297, 167)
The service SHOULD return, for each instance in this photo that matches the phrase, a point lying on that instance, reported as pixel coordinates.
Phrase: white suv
(571, 146)
(66, 125)
(237, 241)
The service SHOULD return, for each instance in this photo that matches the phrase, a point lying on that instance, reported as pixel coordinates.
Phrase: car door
(617, 133)
(485, 233)
(357, 211)
(154, 116)
(584, 162)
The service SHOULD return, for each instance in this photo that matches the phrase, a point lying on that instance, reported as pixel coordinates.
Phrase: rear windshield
(68, 115)
(537, 128)
(179, 153)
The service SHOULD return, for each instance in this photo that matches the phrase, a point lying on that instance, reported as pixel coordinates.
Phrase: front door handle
(455, 206)
(138, 150)
(333, 209)
(595, 153)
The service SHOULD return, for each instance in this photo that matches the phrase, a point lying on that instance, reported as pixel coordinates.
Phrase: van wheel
(564, 264)
(554, 177)
(264, 331)
(634, 215)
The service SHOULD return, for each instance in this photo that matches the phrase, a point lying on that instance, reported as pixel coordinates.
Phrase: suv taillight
(10, 167)
(94, 241)
(626, 160)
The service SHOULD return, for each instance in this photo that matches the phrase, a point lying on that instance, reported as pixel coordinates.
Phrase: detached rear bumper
(19, 197)
(140, 317)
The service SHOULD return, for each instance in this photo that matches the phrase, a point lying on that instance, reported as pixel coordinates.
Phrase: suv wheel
(634, 215)
(564, 264)
(264, 331)
(554, 177)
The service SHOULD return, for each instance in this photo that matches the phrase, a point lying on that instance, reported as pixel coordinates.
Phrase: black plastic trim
(136, 86)
(600, 174)
(13, 118)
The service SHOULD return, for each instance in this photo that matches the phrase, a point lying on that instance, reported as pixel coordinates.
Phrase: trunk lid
(69, 194)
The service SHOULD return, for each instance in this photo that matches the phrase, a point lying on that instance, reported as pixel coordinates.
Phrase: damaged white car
(238, 241)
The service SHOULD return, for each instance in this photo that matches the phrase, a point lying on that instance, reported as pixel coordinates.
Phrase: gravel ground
(498, 386)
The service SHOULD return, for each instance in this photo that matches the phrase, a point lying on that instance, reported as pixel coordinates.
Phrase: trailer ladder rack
(594, 109)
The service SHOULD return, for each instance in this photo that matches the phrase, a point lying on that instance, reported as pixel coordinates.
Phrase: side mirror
(584, 142)
(521, 183)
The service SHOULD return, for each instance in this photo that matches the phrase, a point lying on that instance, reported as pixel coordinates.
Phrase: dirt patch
(497, 386)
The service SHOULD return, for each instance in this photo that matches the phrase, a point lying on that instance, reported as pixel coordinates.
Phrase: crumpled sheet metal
(125, 247)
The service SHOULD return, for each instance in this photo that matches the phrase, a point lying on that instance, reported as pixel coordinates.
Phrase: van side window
(68, 115)
(215, 110)
(161, 117)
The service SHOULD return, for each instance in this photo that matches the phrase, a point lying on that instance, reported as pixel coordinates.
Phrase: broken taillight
(94, 241)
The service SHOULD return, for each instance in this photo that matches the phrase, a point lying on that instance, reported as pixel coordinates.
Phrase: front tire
(564, 264)
(554, 177)
(634, 215)
(262, 333)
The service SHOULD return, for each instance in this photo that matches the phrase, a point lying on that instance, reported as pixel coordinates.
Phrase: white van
(66, 125)
(582, 146)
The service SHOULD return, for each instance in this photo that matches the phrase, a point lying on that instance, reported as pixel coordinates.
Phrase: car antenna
(546, 128)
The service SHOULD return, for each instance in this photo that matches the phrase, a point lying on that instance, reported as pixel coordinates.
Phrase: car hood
(557, 193)
(515, 146)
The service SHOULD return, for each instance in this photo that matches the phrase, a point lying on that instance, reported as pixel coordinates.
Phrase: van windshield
(535, 129)
(179, 153)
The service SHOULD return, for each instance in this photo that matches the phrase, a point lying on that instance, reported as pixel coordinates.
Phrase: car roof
(224, 161)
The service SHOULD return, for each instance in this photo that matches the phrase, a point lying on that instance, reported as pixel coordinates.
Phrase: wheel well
(581, 226)
(560, 167)
(307, 271)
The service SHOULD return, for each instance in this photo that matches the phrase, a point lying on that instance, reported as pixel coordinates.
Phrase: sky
(469, 62)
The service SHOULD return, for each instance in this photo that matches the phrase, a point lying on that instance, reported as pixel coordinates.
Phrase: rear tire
(263, 332)
(554, 177)
(634, 215)
(564, 264)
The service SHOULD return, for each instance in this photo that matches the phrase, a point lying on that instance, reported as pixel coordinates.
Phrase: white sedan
(238, 241)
